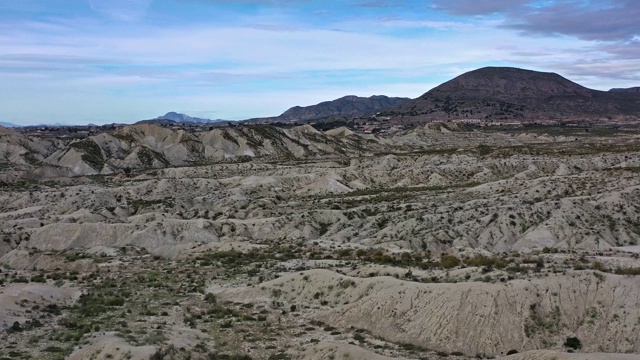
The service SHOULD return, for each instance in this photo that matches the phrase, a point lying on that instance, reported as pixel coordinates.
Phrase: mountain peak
(506, 93)
(508, 83)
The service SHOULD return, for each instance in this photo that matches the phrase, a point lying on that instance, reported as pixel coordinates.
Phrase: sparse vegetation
(91, 153)
(238, 257)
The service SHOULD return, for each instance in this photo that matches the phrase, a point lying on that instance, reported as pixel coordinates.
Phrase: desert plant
(449, 261)
(573, 343)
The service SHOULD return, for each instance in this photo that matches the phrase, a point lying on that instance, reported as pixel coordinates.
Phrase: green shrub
(485, 261)
(91, 153)
(38, 279)
(599, 266)
(449, 261)
(210, 298)
(633, 271)
(573, 343)
(115, 301)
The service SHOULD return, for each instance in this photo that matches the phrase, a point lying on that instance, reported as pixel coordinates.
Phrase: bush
(15, 327)
(38, 279)
(115, 301)
(347, 282)
(210, 298)
(632, 271)
(511, 352)
(485, 261)
(449, 261)
(573, 342)
(344, 253)
(599, 266)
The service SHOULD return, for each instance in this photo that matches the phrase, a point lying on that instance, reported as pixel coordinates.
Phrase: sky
(106, 61)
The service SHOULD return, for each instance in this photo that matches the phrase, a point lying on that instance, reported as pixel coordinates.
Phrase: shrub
(449, 261)
(485, 261)
(573, 342)
(358, 337)
(599, 266)
(210, 298)
(347, 282)
(38, 279)
(115, 301)
(632, 271)
(344, 253)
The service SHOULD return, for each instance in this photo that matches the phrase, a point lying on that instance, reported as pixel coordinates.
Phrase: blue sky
(103, 61)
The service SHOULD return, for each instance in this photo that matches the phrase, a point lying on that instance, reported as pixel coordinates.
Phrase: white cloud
(81, 70)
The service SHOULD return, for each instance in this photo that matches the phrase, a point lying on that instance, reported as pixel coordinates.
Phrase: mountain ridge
(635, 89)
(350, 106)
(183, 118)
(504, 93)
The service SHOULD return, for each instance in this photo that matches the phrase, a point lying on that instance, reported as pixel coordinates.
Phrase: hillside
(22, 151)
(501, 93)
(257, 243)
(347, 106)
(148, 146)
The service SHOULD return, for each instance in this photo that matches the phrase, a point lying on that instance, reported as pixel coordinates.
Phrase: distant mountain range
(8, 124)
(502, 93)
(181, 118)
(347, 106)
(490, 93)
(627, 90)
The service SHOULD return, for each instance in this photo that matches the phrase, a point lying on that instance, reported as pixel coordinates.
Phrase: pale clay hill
(520, 202)
(481, 318)
(150, 146)
(435, 242)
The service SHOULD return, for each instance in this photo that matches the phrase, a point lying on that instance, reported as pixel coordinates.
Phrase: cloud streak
(600, 20)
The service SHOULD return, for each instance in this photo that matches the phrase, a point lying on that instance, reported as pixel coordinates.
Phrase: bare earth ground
(431, 243)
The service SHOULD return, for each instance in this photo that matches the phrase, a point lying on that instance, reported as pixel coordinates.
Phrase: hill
(148, 146)
(263, 242)
(348, 106)
(502, 93)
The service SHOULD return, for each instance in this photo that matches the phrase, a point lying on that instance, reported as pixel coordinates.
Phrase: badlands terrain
(256, 242)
